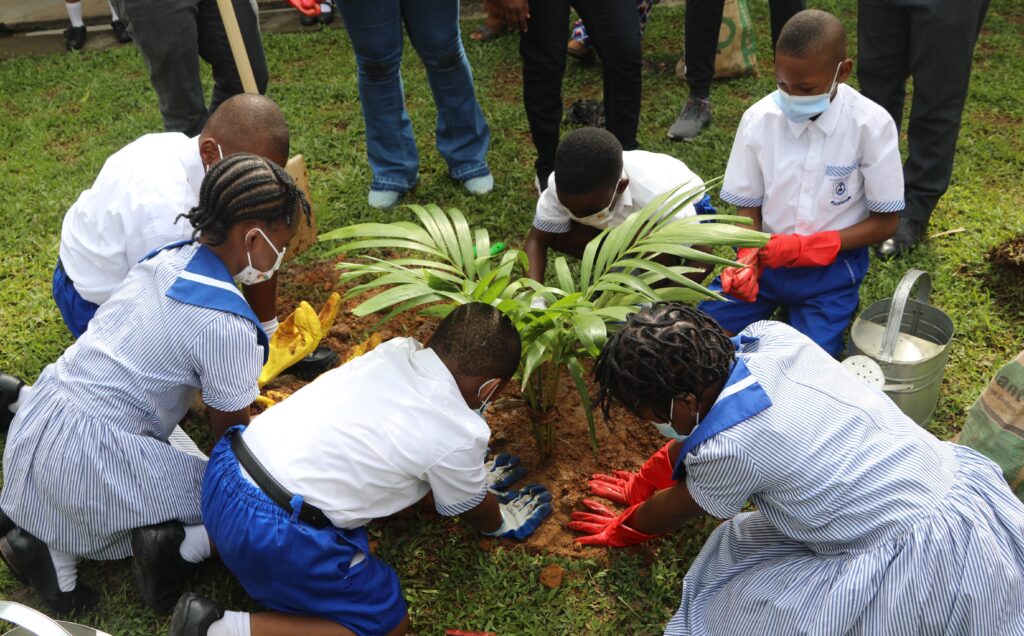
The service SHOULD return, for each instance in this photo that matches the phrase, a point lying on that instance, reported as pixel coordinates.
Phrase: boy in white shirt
(286, 500)
(595, 186)
(139, 200)
(817, 165)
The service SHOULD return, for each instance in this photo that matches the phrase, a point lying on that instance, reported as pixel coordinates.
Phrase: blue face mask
(799, 108)
(666, 429)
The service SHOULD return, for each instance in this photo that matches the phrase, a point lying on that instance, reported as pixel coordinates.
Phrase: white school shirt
(130, 210)
(650, 174)
(373, 436)
(813, 176)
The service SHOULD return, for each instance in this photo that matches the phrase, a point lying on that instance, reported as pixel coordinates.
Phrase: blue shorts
(76, 311)
(290, 566)
(820, 301)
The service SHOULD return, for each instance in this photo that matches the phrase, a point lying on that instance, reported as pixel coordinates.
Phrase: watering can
(909, 340)
(31, 623)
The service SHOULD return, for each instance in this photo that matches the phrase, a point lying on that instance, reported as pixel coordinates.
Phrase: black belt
(308, 513)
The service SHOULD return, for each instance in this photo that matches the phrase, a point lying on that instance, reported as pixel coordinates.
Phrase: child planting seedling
(287, 499)
(865, 523)
(88, 469)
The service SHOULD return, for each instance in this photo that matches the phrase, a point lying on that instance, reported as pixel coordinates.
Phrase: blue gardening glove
(503, 471)
(522, 511)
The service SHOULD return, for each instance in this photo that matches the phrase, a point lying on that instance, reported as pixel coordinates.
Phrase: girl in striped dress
(864, 523)
(88, 470)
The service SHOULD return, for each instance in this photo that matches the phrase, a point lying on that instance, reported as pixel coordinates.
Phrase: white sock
(232, 624)
(66, 567)
(74, 13)
(113, 12)
(196, 546)
(22, 396)
(325, 8)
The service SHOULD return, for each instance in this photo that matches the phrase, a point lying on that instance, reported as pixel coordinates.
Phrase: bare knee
(401, 628)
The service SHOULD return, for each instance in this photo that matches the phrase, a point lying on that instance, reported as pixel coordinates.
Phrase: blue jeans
(463, 136)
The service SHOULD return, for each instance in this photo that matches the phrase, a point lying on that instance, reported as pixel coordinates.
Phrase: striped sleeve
(228, 362)
(458, 480)
(551, 216)
(721, 476)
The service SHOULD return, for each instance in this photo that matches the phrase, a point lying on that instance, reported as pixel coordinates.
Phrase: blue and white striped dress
(865, 523)
(87, 458)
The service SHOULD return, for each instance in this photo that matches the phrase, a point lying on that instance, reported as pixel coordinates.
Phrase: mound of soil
(1009, 254)
(624, 443)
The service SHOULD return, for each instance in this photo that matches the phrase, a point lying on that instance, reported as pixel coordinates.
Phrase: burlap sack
(737, 54)
(995, 423)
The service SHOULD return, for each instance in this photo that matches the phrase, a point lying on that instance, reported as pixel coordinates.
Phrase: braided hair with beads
(244, 187)
(663, 352)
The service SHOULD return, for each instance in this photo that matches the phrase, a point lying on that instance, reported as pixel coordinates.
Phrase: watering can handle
(899, 304)
(36, 622)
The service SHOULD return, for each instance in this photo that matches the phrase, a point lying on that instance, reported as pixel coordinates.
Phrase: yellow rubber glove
(271, 398)
(329, 312)
(296, 337)
(365, 346)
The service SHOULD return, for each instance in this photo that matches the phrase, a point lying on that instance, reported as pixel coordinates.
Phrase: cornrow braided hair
(243, 187)
(663, 352)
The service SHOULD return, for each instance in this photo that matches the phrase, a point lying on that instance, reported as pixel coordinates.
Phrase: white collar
(195, 171)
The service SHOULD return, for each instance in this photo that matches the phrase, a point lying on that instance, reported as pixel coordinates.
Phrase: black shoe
(194, 614)
(29, 560)
(10, 387)
(308, 20)
(321, 360)
(120, 31)
(907, 236)
(74, 38)
(328, 16)
(157, 566)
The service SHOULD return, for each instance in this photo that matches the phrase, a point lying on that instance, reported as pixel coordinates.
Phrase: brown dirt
(551, 576)
(1009, 255)
(625, 444)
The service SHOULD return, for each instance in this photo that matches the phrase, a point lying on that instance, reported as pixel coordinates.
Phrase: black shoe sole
(78, 600)
(151, 571)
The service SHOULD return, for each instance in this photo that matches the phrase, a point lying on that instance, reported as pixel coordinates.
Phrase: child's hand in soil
(629, 488)
(503, 471)
(522, 511)
(603, 527)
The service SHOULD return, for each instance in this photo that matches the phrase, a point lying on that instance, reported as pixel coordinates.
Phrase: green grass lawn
(64, 114)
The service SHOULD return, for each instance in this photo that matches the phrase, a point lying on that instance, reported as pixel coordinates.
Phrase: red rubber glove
(741, 283)
(602, 527)
(308, 7)
(629, 488)
(798, 250)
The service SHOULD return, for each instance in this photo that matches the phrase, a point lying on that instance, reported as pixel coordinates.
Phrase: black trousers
(932, 41)
(615, 32)
(703, 21)
(173, 35)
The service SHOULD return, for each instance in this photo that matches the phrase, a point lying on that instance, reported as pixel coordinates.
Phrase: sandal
(485, 33)
(580, 52)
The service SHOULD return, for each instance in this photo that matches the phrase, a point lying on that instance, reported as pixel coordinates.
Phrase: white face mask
(252, 276)
(486, 401)
(602, 217)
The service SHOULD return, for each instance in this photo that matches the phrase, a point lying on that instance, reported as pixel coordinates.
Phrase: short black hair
(243, 187)
(476, 339)
(813, 33)
(663, 352)
(587, 159)
(250, 123)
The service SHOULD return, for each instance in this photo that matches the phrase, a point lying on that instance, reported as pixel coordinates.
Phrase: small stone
(551, 576)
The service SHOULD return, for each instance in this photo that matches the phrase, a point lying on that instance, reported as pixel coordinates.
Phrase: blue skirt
(958, 570)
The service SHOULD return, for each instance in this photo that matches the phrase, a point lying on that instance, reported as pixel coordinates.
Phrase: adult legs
(615, 31)
(215, 49)
(542, 47)
(782, 11)
(167, 35)
(375, 29)
(941, 51)
(462, 132)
